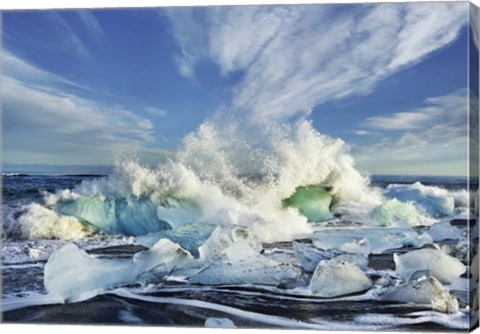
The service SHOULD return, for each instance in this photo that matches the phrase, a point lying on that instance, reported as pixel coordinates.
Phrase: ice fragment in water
(308, 256)
(444, 231)
(431, 261)
(393, 211)
(232, 256)
(219, 323)
(379, 239)
(337, 278)
(69, 272)
(446, 268)
(190, 237)
(128, 216)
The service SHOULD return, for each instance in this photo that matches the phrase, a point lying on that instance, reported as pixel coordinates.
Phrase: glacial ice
(308, 256)
(71, 272)
(442, 300)
(128, 216)
(367, 240)
(435, 201)
(232, 256)
(423, 291)
(393, 211)
(219, 323)
(444, 231)
(431, 261)
(337, 278)
(312, 201)
(190, 237)
(446, 268)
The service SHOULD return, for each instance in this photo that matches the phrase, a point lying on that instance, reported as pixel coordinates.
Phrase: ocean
(70, 256)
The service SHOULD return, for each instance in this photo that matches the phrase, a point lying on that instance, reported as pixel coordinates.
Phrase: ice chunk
(337, 278)
(189, 237)
(354, 240)
(128, 216)
(241, 264)
(424, 291)
(442, 300)
(232, 256)
(164, 258)
(435, 201)
(222, 238)
(407, 264)
(312, 201)
(444, 231)
(70, 272)
(219, 323)
(418, 291)
(308, 256)
(394, 211)
(446, 268)
(359, 260)
(430, 261)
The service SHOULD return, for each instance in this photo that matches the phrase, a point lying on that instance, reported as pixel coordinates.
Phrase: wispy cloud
(433, 132)
(295, 57)
(447, 109)
(91, 25)
(362, 132)
(44, 117)
(16, 67)
(71, 40)
(156, 111)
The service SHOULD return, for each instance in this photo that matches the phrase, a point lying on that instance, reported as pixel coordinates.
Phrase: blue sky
(80, 86)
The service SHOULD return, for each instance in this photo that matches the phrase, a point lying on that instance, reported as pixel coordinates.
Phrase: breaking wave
(272, 179)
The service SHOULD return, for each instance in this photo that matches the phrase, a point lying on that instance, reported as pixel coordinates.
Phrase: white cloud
(91, 25)
(71, 40)
(450, 109)
(362, 132)
(295, 57)
(39, 115)
(435, 134)
(156, 111)
(21, 69)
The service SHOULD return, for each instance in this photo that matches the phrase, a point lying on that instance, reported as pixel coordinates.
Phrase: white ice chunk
(379, 239)
(70, 272)
(337, 278)
(444, 231)
(442, 300)
(359, 260)
(241, 264)
(164, 258)
(232, 256)
(430, 261)
(308, 256)
(446, 269)
(416, 292)
(219, 323)
(423, 291)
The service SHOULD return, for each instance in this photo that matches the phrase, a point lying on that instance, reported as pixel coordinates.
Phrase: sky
(82, 86)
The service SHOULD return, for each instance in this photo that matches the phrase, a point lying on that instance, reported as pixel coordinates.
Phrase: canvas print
(281, 166)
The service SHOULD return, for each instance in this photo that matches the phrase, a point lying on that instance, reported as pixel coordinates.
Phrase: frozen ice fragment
(337, 278)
